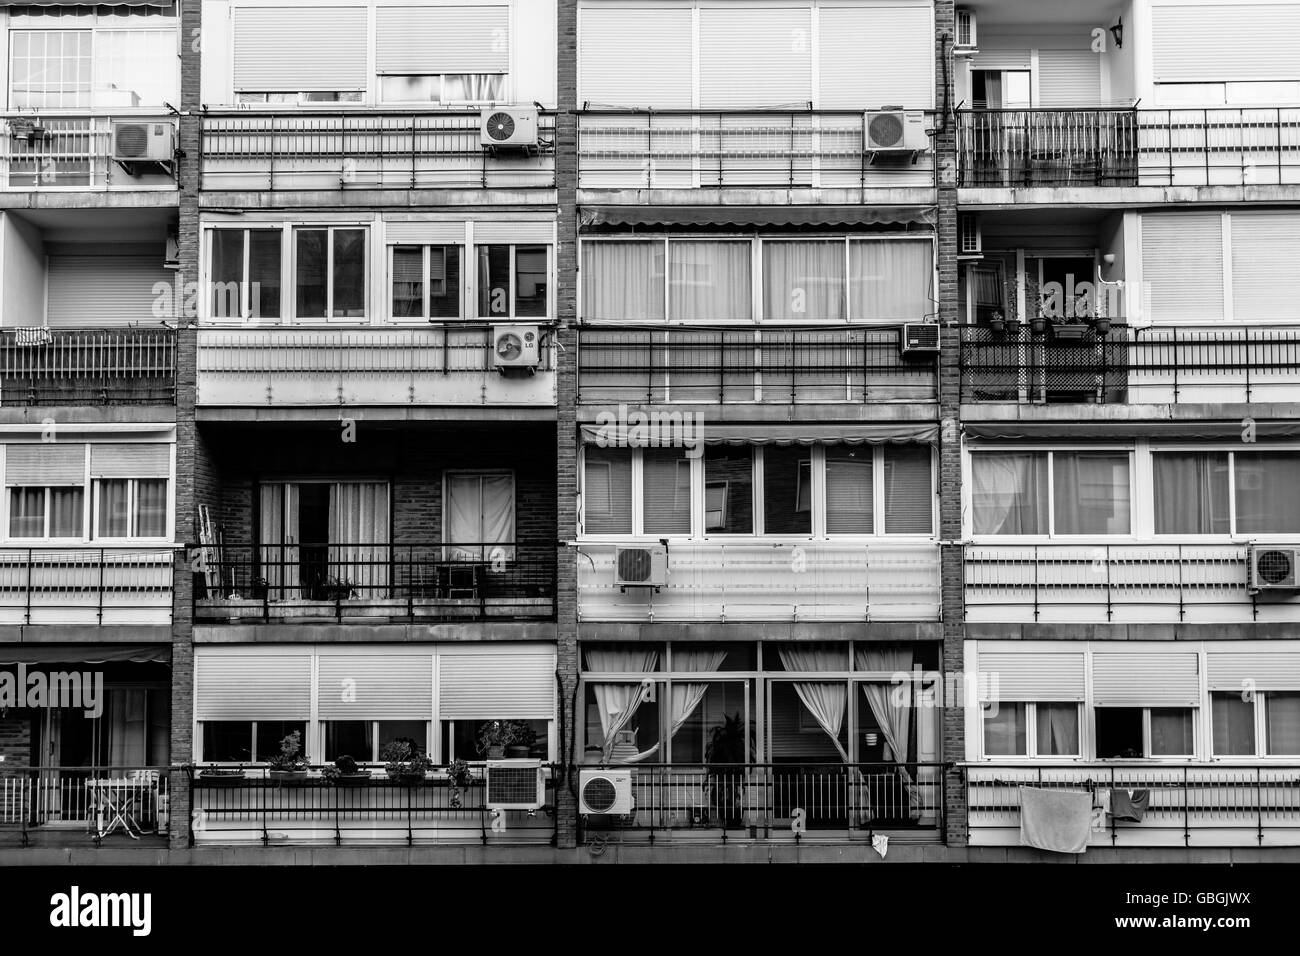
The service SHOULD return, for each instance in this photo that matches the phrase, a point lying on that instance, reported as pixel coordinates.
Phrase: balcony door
(479, 516)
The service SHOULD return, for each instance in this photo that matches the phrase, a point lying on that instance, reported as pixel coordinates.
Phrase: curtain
(1009, 493)
(889, 280)
(709, 281)
(1282, 723)
(825, 700)
(1191, 492)
(151, 508)
(893, 718)
(114, 521)
(686, 697)
(278, 554)
(126, 728)
(480, 517)
(26, 512)
(623, 280)
(358, 533)
(1091, 492)
(1058, 729)
(803, 280)
(1268, 492)
(618, 703)
(66, 512)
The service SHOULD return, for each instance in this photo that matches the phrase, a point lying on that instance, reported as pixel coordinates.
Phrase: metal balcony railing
(40, 366)
(737, 365)
(86, 585)
(305, 583)
(40, 151)
(362, 149)
(1129, 147)
(1134, 365)
(76, 805)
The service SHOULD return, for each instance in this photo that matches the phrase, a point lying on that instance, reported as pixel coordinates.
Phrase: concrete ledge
(372, 413)
(903, 410)
(497, 199)
(85, 634)
(162, 415)
(771, 631)
(91, 199)
(762, 196)
(374, 633)
(1109, 196)
(1249, 631)
(1165, 412)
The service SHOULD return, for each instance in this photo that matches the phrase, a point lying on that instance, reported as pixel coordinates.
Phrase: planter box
(352, 780)
(288, 777)
(1070, 333)
(221, 780)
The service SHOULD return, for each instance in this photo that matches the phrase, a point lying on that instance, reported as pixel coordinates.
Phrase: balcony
(1102, 583)
(1192, 806)
(377, 583)
(284, 368)
(750, 366)
(352, 151)
(769, 149)
(1154, 365)
(767, 580)
(79, 806)
(70, 153)
(51, 367)
(1001, 149)
(86, 585)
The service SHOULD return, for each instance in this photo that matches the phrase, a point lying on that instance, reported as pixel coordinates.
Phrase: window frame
(1031, 733)
(255, 760)
(510, 316)
(132, 511)
(45, 537)
(246, 316)
(1259, 713)
(367, 317)
(425, 318)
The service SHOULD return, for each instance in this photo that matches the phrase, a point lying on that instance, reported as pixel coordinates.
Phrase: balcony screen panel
(635, 57)
(252, 686)
(300, 49)
(1266, 266)
(1224, 41)
(496, 684)
(1191, 492)
(1031, 676)
(607, 490)
(87, 292)
(709, 281)
(623, 280)
(457, 39)
(909, 497)
(1145, 679)
(1009, 493)
(45, 463)
(875, 57)
(374, 687)
(130, 461)
(891, 280)
(1182, 266)
(803, 280)
(1091, 492)
(1068, 78)
(666, 491)
(752, 57)
(1267, 486)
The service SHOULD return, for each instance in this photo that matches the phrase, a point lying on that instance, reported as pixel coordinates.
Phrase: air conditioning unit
(965, 39)
(143, 142)
(605, 792)
(1274, 567)
(516, 348)
(508, 127)
(920, 338)
(896, 131)
(515, 785)
(641, 567)
(970, 239)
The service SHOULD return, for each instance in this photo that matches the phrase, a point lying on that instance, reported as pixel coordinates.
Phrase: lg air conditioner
(515, 785)
(605, 792)
(516, 348)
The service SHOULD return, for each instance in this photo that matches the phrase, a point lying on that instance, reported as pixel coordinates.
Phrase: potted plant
(259, 588)
(337, 589)
(28, 129)
(1038, 324)
(221, 776)
(997, 323)
(458, 779)
(725, 754)
(404, 763)
(524, 738)
(289, 765)
(495, 736)
(344, 773)
(1101, 325)
(1013, 327)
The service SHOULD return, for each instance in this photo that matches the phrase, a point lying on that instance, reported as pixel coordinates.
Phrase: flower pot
(997, 326)
(1013, 327)
(496, 752)
(288, 777)
(353, 779)
(1070, 333)
(1101, 326)
(516, 752)
(1038, 326)
(222, 779)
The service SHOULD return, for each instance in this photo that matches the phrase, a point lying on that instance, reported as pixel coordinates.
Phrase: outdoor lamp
(1117, 31)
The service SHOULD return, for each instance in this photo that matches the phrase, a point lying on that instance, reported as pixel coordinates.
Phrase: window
(92, 68)
(728, 490)
(443, 88)
(244, 273)
(1191, 492)
(1119, 733)
(1236, 716)
(365, 740)
(302, 98)
(787, 490)
(51, 512)
(607, 491)
(1057, 730)
(1128, 733)
(1172, 732)
(1282, 723)
(1009, 492)
(512, 281)
(804, 280)
(666, 487)
(850, 505)
(330, 272)
(130, 507)
(479, 515)
(50, 69)
(1005, 730)
(1090, 493)
(985, 285)
(1234, 724)
(709, 280)
(1031, 730)
(426, 282)
(909, 496)
(248, 741)
(623, 280)
(1268, 492)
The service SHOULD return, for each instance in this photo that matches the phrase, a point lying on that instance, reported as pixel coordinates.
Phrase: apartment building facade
(918, 378)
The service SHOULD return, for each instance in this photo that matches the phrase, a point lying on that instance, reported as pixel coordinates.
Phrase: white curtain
(709, 281)
(890, 280)
(114, 521)
(358, 533)
(623, 280)
(803, 280)
(893, 718)
(278, 523)
(126, 728)
(480, 517)
(1009, 493)
(686, 697)
(825, 700)
(618, 703)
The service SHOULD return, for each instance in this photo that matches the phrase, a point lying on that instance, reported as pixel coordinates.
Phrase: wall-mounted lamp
(1117, 31)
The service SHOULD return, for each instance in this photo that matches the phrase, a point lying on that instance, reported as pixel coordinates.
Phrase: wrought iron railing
(734, 365)
(86, 585)
(80, 804)
(308, 582)
(40, 366)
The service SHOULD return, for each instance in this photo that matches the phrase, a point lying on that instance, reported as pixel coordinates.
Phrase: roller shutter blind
(635, 57)
(252, 686)
(300, 49)
(93, 291)
(1002, 58)
(1182, 266)
(872, 57)
(1031, 676)
(755, 57)
(487, 685)
(909, 495)
(462, 39)
(1269, 670)
(440, 232)
(1265, 266)
(1224, 41)
(130, 461)
(530, 232)
(385, 687)
(45, 464)
(1068, 78)
(1145, 679)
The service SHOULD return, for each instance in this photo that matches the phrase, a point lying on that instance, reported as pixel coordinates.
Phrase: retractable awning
(756, 216)
(770, 434)
(82, 654)
(84, 3)
(1103, 431)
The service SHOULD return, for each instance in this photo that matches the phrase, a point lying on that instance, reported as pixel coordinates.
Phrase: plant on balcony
(337, 589)
(344, 773)
(725, 755)
(495, 737)
(1013, 327)
(1101, 324)
(997, 323)
(28, 129)
(458, 778)
(289, 764)
(259, 588)
(221, 776)
(404, 763)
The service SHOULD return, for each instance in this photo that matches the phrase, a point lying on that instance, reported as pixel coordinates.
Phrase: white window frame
(329, 229)
(425, 318)
(46, 537)
(477, 759)
(376, 756)
(132, 511)
(245, 285)
(1259, 704)
(257, 759)
(1146, 735)
(509, 546)
(510, 316)
(1031, 733)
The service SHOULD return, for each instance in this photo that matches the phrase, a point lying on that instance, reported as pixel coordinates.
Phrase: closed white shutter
(992, 57)
(529, 232)
(491, 684)
(130, 461)
(374, 687)
(1145, 679)
(300, 49)
(462, 39)
(1262, 670)
(93, 291)
(1068, 78)
(1266, 266)
(755, 56)
(1182, 266)
(234, 686)
(45, 464)
(635, 57)
(1224, 41)
(439, 232)
(872, 57)
(1031, 675)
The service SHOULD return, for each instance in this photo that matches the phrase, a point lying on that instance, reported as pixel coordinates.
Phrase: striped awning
(632, 215)
(82, 654)
(748, 433)
(86, 3)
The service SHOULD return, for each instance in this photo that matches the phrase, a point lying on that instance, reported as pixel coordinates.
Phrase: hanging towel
(1129, 806)
(1056, 820)
(880, 843)
(1100, 807)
